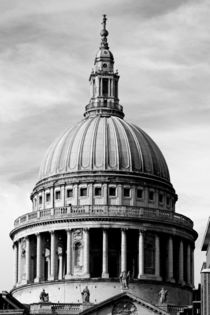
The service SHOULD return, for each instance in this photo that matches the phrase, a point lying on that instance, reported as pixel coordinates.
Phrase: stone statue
(163, 295)
(44, 297)
(124, 279)
(85, 295)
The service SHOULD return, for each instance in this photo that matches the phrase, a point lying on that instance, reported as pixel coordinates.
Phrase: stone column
(192, 269)
(19, 262)
(52, 255)
(86, 254)
(38, 257)
(188, 264)
(69, 255)
(105, 273)
(181, 263)
(28, 260)
(60, 258)
(170, 260)
(123, 250)
(15, 247)
(157, 256)
(141, 254)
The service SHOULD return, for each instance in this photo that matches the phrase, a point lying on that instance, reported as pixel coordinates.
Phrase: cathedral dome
(103, 143)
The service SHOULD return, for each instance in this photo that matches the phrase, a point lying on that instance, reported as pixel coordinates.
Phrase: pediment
(8, 302)
(124, 304)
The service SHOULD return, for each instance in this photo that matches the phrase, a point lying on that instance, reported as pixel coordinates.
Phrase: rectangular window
(40, 200)
(168, 200)
(139, 193)
(112, 191)
(97, 191)
(160, 198)
(69, 193)
(57, 195)
(126, 192)
(151, 195)
(47, 197)
(83, 192)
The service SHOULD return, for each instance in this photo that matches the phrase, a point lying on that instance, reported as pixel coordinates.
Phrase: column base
(150, 277)
(86, 275)
(24, 282)
(51, 278)
(105, 275)
(182, 282)
(37, 280)
(68, 277)
(172, 280)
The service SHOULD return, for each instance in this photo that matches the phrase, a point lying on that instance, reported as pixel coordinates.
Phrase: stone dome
(104, 143)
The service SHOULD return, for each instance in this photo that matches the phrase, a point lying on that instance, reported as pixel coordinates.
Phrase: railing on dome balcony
(104, 211)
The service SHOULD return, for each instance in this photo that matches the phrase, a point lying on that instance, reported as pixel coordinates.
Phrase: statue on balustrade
(163, 295)
(85, 295)
(124, 279)
(44, 296)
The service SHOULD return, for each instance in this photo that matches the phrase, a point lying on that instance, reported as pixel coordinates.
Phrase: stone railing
(104, 211)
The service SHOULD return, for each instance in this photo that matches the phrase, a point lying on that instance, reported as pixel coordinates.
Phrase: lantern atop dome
(104, 82)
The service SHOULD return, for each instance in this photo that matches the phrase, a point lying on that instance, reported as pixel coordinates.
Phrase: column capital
(142, 231)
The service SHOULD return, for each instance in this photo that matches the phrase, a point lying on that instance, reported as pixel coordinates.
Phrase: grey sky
(161, 50)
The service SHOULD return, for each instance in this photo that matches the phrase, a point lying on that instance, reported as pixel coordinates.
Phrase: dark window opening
(112, 191)
(83, 192)
(40, 200)
(69, 193)
(168, 200)
(151, 195)
(139, 193)
(58, 194)
(161, 198)
(97, 191)
(48, 197)
(126, 192)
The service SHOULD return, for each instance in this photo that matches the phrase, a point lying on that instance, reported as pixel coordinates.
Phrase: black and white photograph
(105, 157)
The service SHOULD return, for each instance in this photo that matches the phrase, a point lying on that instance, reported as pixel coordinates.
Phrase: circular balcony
(100, 211)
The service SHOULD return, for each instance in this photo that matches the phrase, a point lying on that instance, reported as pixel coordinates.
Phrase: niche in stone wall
(149, 253)
(78, 251)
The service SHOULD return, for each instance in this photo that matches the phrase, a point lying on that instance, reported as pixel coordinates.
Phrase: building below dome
(103, 226)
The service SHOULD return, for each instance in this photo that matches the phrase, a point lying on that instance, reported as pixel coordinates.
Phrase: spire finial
(104, 33)
(104, 21)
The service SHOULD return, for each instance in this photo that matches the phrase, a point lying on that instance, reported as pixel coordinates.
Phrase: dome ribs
(135, 149)
(113, 148)
(147, 158)
(99, 156)
(101, 143)
(125, 161)
(86, 145)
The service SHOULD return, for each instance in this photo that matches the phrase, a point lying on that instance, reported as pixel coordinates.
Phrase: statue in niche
(124, 279)
(44, 296)
(85, 295)
(163, 295)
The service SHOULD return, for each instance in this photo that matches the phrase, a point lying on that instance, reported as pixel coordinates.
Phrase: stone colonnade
(49, 261)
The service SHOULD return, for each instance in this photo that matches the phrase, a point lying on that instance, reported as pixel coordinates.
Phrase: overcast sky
(162, 52)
